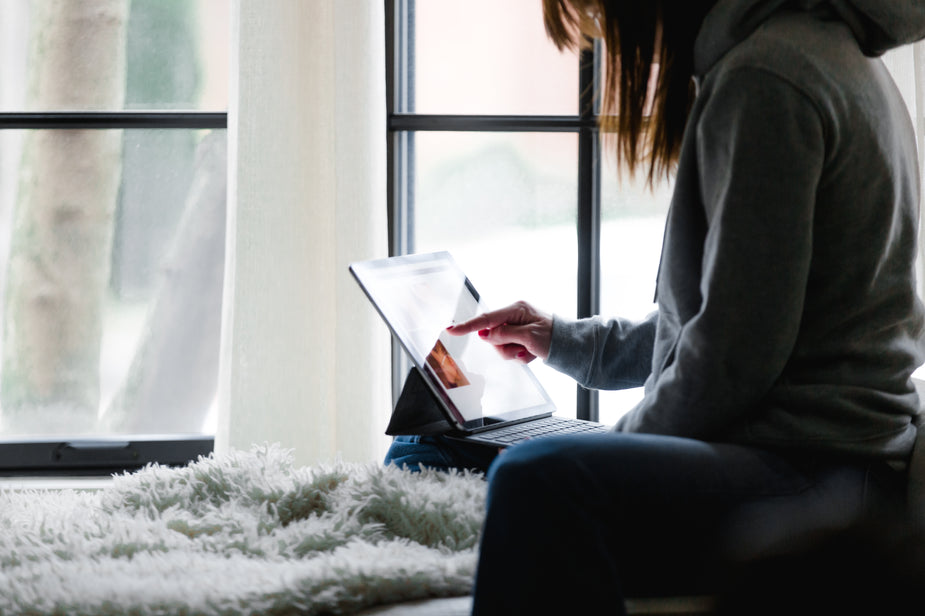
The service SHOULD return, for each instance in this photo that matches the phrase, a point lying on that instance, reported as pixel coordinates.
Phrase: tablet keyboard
(548, 426)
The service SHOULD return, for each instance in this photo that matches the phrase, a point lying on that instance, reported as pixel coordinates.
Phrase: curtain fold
(305, 360)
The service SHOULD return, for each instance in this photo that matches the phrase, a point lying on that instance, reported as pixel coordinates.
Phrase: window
(494, 155)
(112, 211)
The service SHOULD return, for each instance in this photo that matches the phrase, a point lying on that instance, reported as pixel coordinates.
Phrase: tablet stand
(417, 411)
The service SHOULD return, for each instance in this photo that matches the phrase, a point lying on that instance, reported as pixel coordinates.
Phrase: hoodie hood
(878, 25)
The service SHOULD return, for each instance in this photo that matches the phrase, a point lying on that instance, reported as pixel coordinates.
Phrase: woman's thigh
(618, 514)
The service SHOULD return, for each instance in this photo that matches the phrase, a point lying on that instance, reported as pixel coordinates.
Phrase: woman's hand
(518, 331)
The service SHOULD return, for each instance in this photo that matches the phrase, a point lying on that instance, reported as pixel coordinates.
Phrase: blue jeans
(440, 453)
(576, 523)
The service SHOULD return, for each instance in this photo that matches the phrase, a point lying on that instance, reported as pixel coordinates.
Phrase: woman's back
(788, 313)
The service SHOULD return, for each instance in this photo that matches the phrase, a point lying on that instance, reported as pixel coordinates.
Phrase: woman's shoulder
(817, 56)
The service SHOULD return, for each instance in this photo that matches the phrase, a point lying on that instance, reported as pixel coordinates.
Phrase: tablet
(419, 296)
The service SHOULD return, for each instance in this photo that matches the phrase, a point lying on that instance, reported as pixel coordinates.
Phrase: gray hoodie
(787, 313)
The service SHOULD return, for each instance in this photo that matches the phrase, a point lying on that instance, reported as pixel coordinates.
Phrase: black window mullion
(114, 120)
(400, 162)
(400, 94)
(489, 123)
(589, 217)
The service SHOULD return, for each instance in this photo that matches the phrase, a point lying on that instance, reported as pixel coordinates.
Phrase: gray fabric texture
(787, 313)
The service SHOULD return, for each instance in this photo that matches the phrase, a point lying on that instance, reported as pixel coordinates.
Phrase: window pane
(113, 55)
(505, 205)
(494, 59)
(632, 225)
(111, 264)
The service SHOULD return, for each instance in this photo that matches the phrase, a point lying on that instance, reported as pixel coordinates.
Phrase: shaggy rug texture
(243, 533)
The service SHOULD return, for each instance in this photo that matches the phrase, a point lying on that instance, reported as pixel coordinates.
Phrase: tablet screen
(418, 296)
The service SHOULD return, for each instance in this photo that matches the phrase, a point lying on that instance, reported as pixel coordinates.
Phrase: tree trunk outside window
(171, 382)
(63, 222)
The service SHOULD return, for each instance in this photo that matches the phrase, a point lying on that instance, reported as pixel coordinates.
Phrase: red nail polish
(483, 333)
(522, 354)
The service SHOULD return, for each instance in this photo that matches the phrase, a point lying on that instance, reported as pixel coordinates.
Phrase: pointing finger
(487, 320)
(518, 313)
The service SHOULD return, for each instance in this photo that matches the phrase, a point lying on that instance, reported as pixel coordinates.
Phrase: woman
(777, 369)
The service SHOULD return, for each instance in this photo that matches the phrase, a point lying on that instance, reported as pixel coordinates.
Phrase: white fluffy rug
(244, 533)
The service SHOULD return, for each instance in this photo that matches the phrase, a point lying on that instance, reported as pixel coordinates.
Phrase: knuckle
(522, 311)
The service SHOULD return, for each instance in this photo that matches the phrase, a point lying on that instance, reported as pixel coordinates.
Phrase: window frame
(109, 454)
(401, 126)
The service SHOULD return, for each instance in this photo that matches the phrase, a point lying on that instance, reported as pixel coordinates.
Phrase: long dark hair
(646, 116)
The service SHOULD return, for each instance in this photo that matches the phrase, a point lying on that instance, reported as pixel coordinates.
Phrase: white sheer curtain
(305, 360)
(907, 65)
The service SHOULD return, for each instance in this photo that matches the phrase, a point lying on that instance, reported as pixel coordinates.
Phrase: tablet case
(417, 412)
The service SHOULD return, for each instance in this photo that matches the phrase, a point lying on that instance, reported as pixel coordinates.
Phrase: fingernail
(451, 327)
(483, 333)
(522, 354)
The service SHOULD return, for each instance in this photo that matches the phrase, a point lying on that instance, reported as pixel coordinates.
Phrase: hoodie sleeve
(760, 152)
(599, 354)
